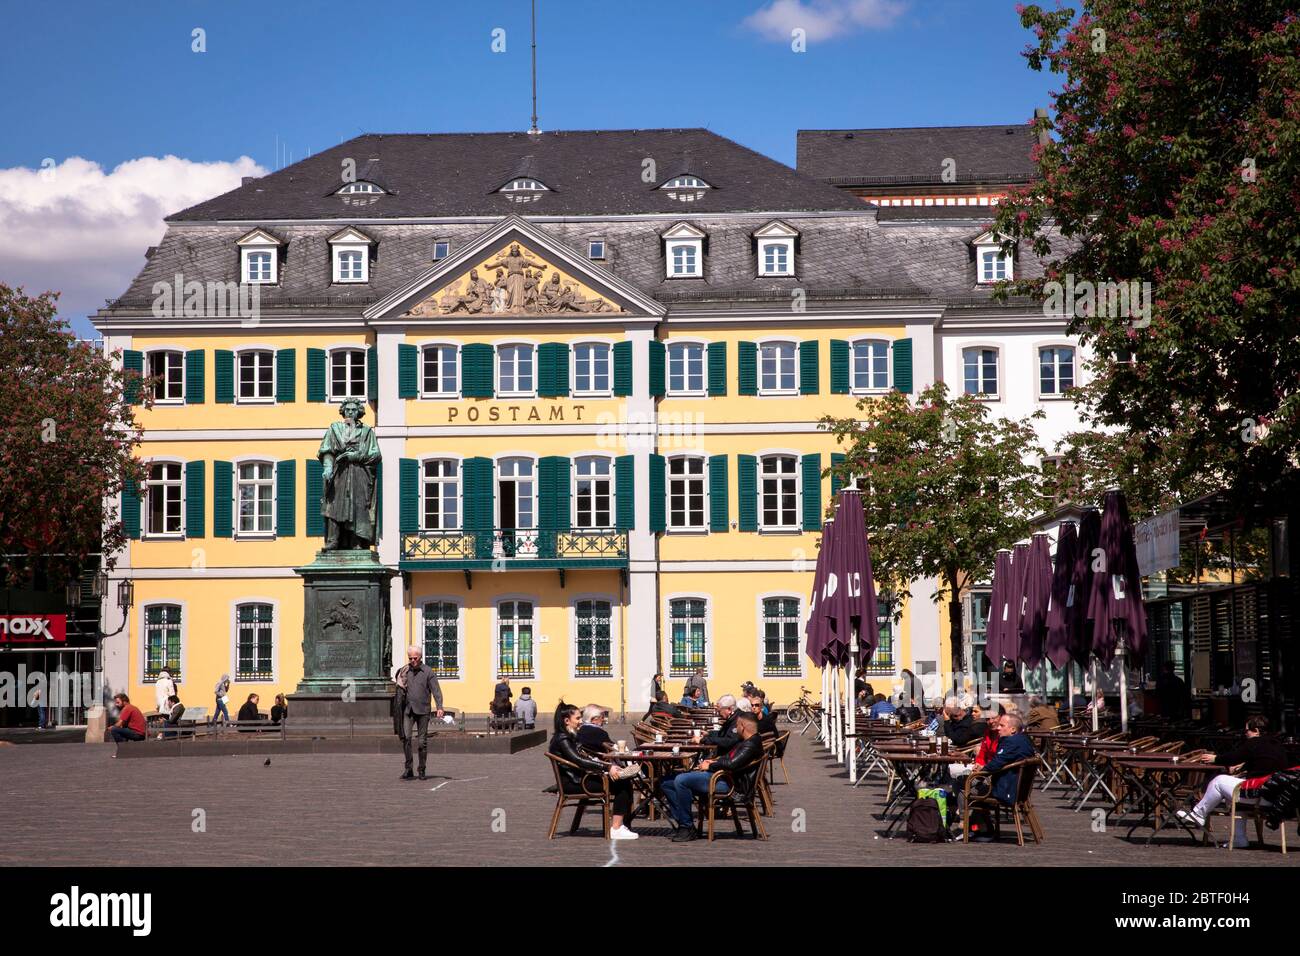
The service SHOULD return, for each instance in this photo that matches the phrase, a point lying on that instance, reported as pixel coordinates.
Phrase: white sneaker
(623, 833)
(1191, 815)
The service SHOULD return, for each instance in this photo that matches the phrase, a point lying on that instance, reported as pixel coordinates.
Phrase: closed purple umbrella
(1058, 618)
(1013, 602)
(997, 599)
(815, 628)
(1115, 600)
(1036, 588)
(850, 590)
(1080, 628)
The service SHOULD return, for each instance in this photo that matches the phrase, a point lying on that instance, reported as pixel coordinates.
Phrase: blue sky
(116, 82)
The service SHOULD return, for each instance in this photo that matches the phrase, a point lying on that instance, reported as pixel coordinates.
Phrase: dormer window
(991, 263)
(351, 189)
(259, 258)
(350, 252)
(524, 189)
(686, 188)
(360, 193)
(684, 252)
(774, 246)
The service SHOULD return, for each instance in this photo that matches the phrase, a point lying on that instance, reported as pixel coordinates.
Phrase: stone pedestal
(347, 631)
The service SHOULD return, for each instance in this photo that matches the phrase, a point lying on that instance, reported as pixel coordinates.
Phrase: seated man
(682, 789)
(881, 707)
(592, 736)
(693, 697)
(1258, 755)
(175, 711)
(958, 725)
(1012, 745)
(130, 721)
(1042, 715)
(249, 710)
(728, 736)
(662, 706)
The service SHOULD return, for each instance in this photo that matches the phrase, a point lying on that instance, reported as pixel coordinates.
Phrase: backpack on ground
(925, 823)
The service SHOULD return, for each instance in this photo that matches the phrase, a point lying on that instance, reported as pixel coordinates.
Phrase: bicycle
(803, 710)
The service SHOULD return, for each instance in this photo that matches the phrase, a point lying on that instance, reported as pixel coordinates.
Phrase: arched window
(591, 368)
(441, 511)
(255, 497)
(781, 627)
(980, 372)
(686, 493)
(162, 641)
(594, 493)
(688, 632)
(870, 365)
(777, 370)
(166, 368)
(1055, 370)
(778, 493)
(256, 376)
(347, 374)
(163, 491)
(515, 628)
(685, 368)
(255, 642)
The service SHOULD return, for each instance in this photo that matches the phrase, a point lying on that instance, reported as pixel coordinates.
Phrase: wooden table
(656, 763)
(1159, 784)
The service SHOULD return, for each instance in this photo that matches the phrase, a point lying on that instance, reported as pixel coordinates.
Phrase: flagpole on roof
(533, 128)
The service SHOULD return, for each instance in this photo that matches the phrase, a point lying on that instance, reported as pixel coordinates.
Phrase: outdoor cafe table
(1085, 749)
(656, 763)
(1159, 783)
(908, 768)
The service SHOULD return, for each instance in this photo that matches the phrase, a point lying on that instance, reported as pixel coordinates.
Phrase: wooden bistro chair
(587, 796)
(782, 740)
(735, 800)
(1022, 809)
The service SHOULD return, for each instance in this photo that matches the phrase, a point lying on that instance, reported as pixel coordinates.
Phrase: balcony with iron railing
(500, 549)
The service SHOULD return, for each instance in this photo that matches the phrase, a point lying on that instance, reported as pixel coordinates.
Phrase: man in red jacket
(130, 721)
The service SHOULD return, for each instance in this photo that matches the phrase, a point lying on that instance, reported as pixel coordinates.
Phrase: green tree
(944, 485)
(67, 445)
(1175, 161)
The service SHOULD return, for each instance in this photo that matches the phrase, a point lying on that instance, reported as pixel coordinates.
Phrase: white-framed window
(163, 640)
(351, 265)
(260, 266)
(254, 642)
(163, 494)
(688, 635)
(778, 493)
(776, 257)
(255, 498)
(1055, 371)
(441, 249)
(686, 188)
(592, 372)
(167, 369)
(980, 371)
(869, 369)
(595, 248)
(255, 376)
(515, 376)
(593, 637)
(524, 189)
(439, 372)
(440, 491)
(359, 188)
(684, 252)
(516, 622)
(593, 499)
(686, 368)
(516, 494)
(781, 627)
(347, 374)
(441, 623)
(686, 493)
(993, 265)
(778, 371)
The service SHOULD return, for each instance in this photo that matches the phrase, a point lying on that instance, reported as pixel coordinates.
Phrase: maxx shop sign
(33, 628)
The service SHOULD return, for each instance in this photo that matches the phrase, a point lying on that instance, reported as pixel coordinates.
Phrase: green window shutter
(131, 509)
(408, 360)
(747, 492)
(286, 498)
(476, 370)
(408, 521)
(746, 368)
(315, 491)
(553, 493)
(552, 369)
(224, 372)
(812, 492)
(809, 378)
(477, 499)
(372, 374)
(717, 368)
(223, 495)
(657, 351)
(316, 378)
(133, 372)
(194, 361)
(195, 511)
(623, 369)
(286, 372)
(903, 365)
(718, 493)
(837, 459)
(839, 367)
(625, 491)
(658, 500)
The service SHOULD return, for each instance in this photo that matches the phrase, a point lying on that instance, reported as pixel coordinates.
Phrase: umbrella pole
(839, 715)
(1093, 702)
(1123, 691)
(1069, 686)
(826, 704)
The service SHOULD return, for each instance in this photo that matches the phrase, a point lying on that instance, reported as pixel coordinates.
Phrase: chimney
(1044, 137)
(245, 180)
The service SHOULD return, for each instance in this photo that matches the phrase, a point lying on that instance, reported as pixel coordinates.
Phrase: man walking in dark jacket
(741, 761)
(421, 685)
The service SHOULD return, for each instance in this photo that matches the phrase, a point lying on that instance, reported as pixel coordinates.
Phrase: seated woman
(1259, 755)
(565, 746)
(280, 709)
(249, 710)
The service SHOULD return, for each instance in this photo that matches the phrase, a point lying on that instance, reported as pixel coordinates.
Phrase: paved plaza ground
(77, 805)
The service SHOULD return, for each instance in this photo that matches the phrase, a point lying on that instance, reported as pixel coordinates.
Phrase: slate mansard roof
(915, 155)
(586, 172)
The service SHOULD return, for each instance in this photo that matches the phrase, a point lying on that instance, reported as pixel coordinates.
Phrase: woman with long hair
(564, 745)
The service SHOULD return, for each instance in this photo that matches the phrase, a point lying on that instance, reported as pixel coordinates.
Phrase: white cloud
(78, 230)
(823, 19)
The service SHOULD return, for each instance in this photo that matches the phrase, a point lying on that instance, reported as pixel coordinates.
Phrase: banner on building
(1157, 543)
(33, 628)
